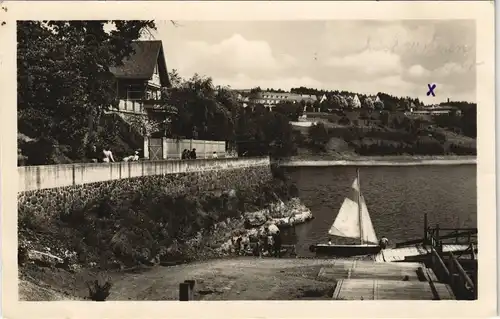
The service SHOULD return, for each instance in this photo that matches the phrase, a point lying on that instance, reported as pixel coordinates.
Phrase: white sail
(368, 230)
(355, 186)
(347, 222)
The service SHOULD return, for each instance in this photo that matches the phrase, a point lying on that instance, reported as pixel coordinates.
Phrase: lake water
(397, 198)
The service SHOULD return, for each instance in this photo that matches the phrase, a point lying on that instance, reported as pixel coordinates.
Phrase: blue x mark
(431, 89)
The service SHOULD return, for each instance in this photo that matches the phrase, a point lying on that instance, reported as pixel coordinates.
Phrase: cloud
(235, 53)
(396, 57)
(395, 36)
(418, 71)
(369, 62)
(450, 69)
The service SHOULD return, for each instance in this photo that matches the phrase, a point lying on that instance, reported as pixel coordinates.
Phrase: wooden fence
(166, 148)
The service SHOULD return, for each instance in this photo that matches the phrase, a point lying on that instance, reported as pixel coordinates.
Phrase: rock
(144, 254)
(44, 259)
(255, 219)
(273, 229)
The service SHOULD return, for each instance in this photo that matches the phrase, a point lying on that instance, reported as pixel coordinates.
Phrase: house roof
(141, 63)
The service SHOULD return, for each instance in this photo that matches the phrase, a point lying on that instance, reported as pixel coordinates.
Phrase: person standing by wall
(93, 155)
(108, 155)
(193, 154)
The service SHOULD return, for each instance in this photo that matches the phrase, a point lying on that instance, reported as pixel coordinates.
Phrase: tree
(469, 120)
(255, 90)
(64, 78)
(316, 105)
(378, 105)
(214, 111)
(368, 103)
(340, 102)
(319, 136)
(350, 102)
(266, 133)
(384, 118)
(289, 109)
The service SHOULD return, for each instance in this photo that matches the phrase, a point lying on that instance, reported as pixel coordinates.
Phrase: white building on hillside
(356, 102)
(323, 98)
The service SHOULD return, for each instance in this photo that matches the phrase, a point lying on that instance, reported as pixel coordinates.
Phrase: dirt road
(242, 278)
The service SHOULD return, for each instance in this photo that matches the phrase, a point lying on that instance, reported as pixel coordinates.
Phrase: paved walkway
(249, 278)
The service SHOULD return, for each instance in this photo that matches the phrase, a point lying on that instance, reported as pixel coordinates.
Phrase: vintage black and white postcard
(286, 159)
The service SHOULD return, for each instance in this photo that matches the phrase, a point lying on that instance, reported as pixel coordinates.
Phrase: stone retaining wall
(55, 176)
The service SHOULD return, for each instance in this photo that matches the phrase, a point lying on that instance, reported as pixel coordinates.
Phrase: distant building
(356, 102)
(243, 99)
(141, 78)
(271, 99)
(436, 110)
(374, 98)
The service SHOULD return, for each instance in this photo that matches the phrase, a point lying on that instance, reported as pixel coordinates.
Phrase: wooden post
(184, 291)
(474, 279)
(164, 148)
(425, 229)
(146, 147)
(451, 271)
(438, 241)
(191, 288)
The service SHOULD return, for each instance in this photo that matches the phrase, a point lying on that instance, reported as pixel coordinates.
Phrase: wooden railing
(447, 266)
(451, 272)
(437, 236)
(460, 282)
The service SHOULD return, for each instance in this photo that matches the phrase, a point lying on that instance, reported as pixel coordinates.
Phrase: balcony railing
(138, 106)
(132, 106)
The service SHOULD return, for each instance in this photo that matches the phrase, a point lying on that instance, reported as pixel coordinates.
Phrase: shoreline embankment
(378, 161)
(77, 219)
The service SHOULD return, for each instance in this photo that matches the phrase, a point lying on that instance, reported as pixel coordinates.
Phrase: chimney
(448, 100)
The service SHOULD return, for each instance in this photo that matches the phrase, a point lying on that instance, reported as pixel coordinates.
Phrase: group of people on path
(191, 154)
(188, 154)
(269, 244)
(104, 155)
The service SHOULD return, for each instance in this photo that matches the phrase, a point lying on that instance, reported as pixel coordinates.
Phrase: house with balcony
(141, 78)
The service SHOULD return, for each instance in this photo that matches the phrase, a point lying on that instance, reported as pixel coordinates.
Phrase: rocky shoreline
(256, 224)
(218, 241)
(39, 263)
(380, 161)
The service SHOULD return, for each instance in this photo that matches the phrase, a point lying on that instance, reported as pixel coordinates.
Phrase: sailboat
(353, 221)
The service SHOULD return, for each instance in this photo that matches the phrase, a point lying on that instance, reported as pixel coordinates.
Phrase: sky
(399, 57)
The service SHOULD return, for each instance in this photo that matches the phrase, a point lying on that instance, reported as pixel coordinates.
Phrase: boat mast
(360, 214)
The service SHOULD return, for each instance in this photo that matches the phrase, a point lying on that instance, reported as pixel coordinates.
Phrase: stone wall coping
(53, 176)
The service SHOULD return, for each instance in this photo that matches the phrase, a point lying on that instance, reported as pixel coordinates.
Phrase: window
(134, 94)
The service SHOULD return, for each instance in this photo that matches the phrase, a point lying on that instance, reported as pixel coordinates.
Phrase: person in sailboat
(383, 242)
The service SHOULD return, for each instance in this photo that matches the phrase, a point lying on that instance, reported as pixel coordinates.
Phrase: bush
(460, 149)
(319, 137)
(99, 289)
(133, 221)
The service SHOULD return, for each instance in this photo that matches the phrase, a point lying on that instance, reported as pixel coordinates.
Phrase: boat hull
(344, 250)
